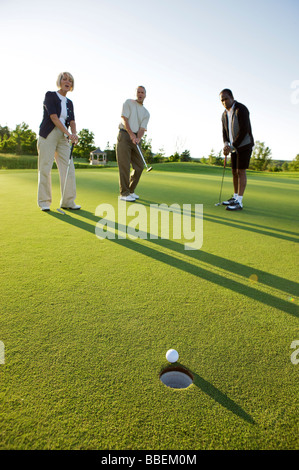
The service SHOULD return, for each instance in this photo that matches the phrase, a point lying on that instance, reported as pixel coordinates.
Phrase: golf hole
(176, 377)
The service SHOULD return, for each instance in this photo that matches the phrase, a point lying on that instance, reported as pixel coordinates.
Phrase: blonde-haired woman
(58, 117)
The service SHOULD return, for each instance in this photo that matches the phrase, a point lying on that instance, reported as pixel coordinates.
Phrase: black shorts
(240, 160)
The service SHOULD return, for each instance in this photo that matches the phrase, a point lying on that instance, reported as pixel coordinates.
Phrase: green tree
(213, 159)
(146, 148)
(219, 160)
(285, 166)
(294, 164)
(185, 156)
(85, 144)
(273, 167)
(22, 140)
(261, 157)
(175, 157)
(111, 153)
(159, 157)
(4, 133)
(6, 144)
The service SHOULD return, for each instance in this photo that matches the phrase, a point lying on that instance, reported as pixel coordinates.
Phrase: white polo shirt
(229, 119)
(137, 115)
(63, 114)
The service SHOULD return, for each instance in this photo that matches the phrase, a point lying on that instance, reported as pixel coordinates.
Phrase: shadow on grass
(210, 390)
(69, 219)
(260, 229)
(221, 398)
(244, 224)
(233, 267)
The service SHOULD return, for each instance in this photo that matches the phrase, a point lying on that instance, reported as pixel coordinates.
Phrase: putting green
(85, 323)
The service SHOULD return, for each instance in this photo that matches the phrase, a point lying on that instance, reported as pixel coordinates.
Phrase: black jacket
(241, 127)
(52, 105)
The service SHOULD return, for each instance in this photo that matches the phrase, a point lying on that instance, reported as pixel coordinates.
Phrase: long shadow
(221, 398)
(249, 224)
(70, 218)
(273, 281)
(190, 268)
(244, 225)
(254, 229)
(210, 276)
(237, 268)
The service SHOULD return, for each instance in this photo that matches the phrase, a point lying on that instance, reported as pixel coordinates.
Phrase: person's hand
(226, 150)
(133, 138)
(74, 138)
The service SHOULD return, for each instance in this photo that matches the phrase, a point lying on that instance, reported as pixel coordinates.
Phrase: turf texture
(85, 323)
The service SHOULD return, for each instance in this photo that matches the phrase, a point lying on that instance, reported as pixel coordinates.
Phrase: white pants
(55, 146)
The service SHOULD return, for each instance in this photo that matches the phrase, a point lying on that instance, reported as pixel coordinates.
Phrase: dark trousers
(127, 155)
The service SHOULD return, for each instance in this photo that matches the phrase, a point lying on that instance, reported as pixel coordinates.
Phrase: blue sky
(183, 52)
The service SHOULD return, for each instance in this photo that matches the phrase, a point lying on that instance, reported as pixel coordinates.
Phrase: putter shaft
(66, 176)
(224, 164)
(141, 154)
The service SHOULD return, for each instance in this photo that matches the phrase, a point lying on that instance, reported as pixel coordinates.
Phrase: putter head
(61, 211)
(150, 168)
(218, 204)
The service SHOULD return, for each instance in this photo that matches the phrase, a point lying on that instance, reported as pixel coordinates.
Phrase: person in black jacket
(58, 117)
(238, 141)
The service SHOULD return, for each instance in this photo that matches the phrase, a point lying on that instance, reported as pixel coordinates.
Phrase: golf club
(147, 168)
(220, 203)
(67, 173)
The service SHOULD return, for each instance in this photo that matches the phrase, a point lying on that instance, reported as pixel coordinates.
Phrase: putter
(67, 173)
(147, 168)
(220, 203)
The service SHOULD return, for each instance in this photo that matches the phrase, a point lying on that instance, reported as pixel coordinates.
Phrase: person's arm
(129, 130)
(140, 134)
(224, 129)
(227, 147)
(143, 127)
(56, 121)
(74, 138)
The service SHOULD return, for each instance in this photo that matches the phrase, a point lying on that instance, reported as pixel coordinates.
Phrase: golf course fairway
(85, 322)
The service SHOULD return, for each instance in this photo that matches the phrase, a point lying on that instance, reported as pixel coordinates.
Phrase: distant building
(97, 157)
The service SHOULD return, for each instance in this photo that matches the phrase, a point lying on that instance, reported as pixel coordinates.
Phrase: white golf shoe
(127, 198)
(73, 208)
(134, 195)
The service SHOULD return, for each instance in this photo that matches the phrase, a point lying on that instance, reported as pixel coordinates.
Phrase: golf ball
(172, 355)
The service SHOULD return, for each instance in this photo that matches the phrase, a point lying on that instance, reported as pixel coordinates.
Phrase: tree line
(23, 141)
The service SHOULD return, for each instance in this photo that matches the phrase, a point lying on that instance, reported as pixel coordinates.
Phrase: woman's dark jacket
(52, 105)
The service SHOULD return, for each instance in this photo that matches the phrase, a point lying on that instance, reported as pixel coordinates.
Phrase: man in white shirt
(134, 121)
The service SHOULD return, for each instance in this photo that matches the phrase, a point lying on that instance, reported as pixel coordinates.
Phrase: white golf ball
(172, 355)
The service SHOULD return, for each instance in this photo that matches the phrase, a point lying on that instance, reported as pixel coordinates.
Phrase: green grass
(13, 161)
(24, 162)
(86, 323)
